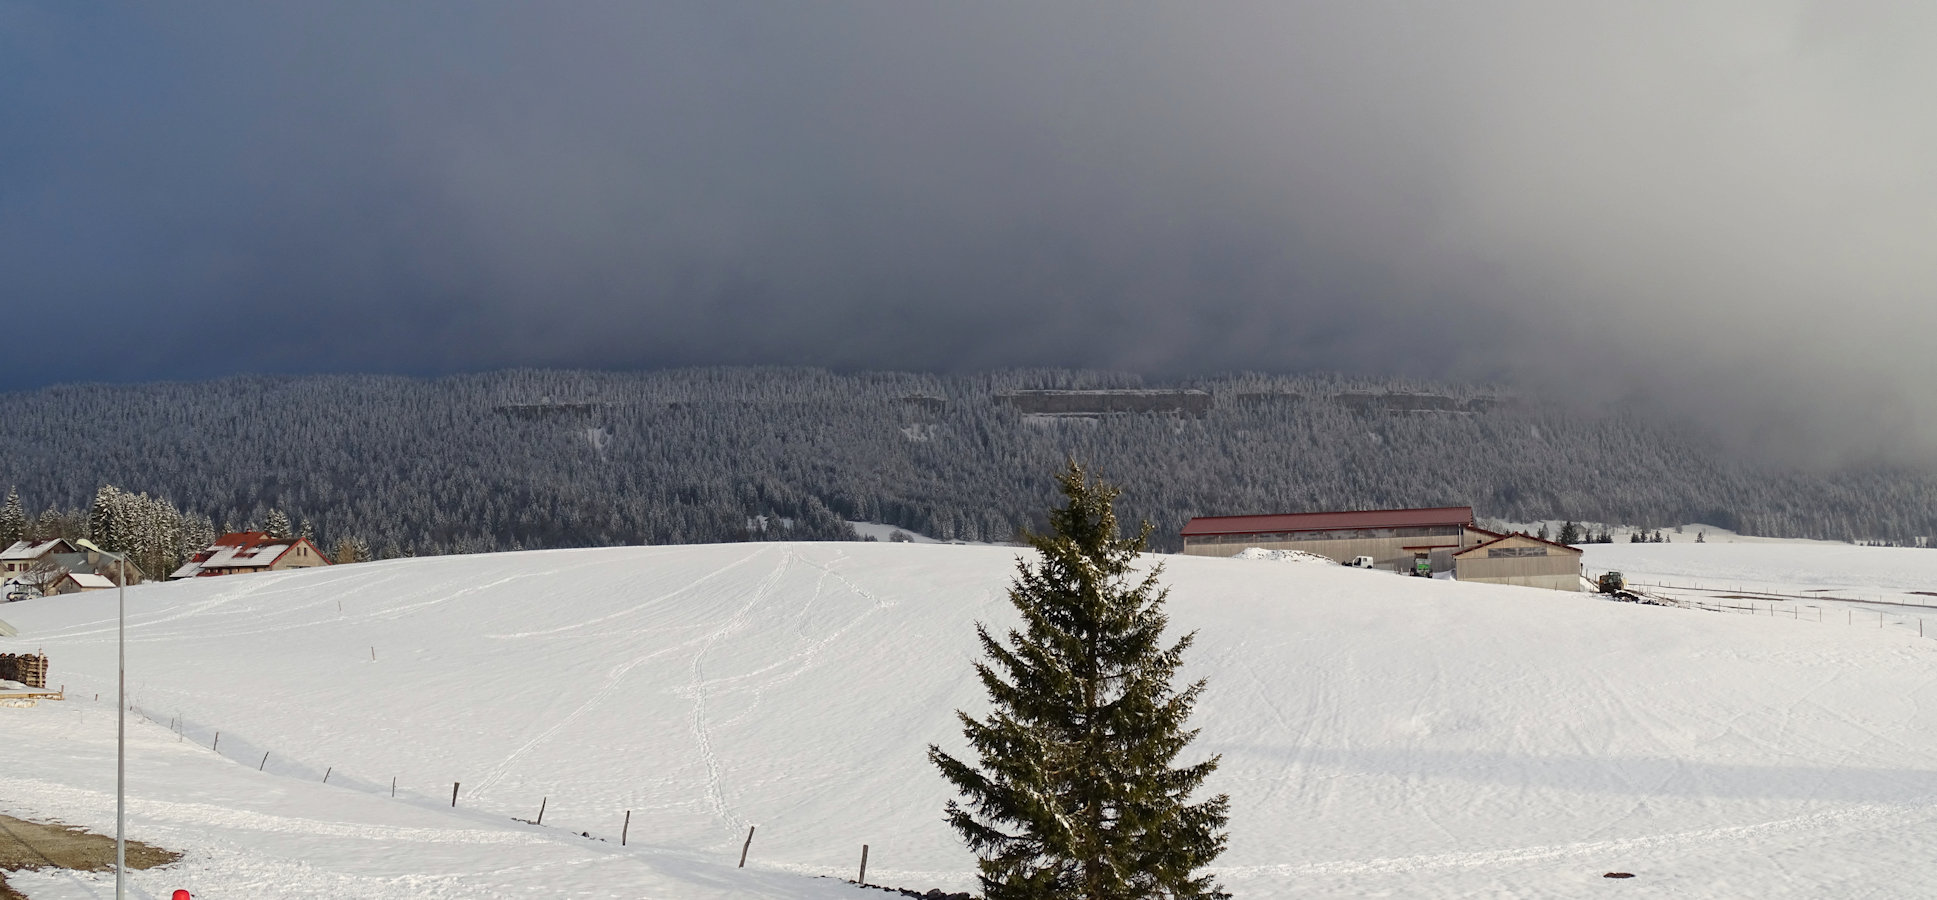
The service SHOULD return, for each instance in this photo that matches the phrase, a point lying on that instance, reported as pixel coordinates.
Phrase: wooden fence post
(863, 880)
(626, 828)
(453, 795)
(218, 741)
(326, 774)
(541, 810)
(744, 847)
(265, 761)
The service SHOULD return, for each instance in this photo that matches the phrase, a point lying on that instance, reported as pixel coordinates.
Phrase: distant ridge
(537, 458)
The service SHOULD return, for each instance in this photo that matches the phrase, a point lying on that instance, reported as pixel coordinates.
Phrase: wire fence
(1820, 609)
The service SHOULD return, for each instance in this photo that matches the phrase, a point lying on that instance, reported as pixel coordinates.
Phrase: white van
(1361, 562)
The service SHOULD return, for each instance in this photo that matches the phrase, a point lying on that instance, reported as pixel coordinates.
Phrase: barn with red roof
(1446, 538)
(1394, 538)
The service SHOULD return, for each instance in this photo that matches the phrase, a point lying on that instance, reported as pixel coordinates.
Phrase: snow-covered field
(1843, 570)
(1381, 735)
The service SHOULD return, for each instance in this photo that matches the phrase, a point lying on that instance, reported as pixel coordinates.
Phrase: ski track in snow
(800, 661)
(612, 680)
(702, 736)
(613, 676)
(635, 609)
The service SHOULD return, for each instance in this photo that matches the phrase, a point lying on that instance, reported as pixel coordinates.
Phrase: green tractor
(1612, 583)
(1422, 566)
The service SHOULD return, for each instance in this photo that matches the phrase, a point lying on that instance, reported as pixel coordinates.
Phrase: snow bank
(1282, 556)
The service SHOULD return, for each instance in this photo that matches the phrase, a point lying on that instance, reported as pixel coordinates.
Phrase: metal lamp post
(121, 738)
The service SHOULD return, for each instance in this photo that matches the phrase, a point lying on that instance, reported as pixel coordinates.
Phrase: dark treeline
(530, 459)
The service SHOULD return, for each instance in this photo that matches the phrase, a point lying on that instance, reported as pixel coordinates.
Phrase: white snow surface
(1380, 736)
(1801, 567)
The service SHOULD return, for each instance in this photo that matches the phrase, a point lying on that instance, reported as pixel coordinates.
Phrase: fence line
(1849, 619)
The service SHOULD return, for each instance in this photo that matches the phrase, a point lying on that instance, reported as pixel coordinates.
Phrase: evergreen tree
(13, 520)
(1570, 533)
(276, 525)
(52, 524)
(198, 532)
(1076, 796)
(104, 515)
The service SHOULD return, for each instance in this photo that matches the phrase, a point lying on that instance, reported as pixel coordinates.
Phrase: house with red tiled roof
(240, 552)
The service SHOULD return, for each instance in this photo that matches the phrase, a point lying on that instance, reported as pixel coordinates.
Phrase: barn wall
(1555, 568)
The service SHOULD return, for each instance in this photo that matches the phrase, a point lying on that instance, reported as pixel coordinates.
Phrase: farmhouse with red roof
(251, 551)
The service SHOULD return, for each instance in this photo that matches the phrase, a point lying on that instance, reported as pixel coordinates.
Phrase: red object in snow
(183, 895)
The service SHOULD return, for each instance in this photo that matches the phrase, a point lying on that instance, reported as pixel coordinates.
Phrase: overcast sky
(1726, 209)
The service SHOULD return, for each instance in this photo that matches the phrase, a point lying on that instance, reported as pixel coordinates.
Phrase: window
(1509, 552)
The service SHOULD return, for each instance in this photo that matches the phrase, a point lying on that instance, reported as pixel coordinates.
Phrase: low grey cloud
(1721, 210)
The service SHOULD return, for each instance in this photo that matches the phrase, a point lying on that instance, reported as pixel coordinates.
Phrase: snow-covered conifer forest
(533, 459)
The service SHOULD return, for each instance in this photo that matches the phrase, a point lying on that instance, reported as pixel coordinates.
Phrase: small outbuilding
(1521, 559)
(76, 582)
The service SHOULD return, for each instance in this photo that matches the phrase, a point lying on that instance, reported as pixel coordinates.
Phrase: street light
(121, 735)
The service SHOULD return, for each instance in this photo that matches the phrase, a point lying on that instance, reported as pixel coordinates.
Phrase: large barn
(1394, 538)
(1397, 539)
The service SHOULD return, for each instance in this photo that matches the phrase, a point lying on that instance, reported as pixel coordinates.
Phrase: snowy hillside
(1379, 734)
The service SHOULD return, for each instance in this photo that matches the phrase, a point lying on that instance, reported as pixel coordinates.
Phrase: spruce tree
(277, 525)
(105, 523)
(13, 520)
(1076, 795)
(198, 532)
